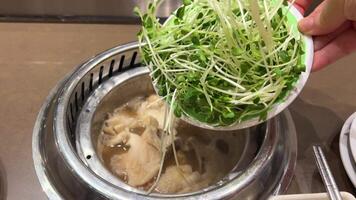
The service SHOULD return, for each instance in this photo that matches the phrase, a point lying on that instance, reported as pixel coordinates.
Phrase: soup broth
(130, 146)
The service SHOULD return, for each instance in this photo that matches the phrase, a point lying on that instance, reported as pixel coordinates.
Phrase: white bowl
(352, 140)
(345, 151)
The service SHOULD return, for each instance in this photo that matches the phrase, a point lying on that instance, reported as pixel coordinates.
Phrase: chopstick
(326, 175)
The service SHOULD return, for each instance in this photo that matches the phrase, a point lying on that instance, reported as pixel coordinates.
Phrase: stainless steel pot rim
(52, 192)
(44, 179)
(73, 160)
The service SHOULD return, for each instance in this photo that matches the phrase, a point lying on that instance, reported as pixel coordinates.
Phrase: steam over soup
(133, 146)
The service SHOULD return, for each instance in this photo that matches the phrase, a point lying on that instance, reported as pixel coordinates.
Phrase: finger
(326, 18)
(302, 5)
(299, 8)
(306, 24)
(350, 10)
(321, 41)
(339, 47)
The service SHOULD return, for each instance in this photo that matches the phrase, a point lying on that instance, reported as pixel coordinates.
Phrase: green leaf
(149, 23)
(150, 6)
(144, 17)
(180, 78)
(301, 49)
(236, 51)
(187, 2)
(284, 56)
(263, 115)
(301, 68)
(229, 115)
(202, 57)
(177, 111)
(137, 11)
(244, 67)
(162, 92)
(180, 12)
(195, 40)
(280, 12)
(256, 100)
(236, 12)
(278, 72)
(200, 15)
(139, 34)
(184, 31)
(194, 76)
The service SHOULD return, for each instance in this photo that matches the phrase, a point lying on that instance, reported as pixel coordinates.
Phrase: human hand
(333, 25)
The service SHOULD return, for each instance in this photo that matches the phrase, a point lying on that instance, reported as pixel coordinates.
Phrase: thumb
(326, 18)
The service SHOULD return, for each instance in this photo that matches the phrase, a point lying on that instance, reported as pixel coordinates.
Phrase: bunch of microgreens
(221, 61)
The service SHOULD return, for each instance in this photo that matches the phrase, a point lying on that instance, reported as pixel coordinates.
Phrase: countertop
(34, 57)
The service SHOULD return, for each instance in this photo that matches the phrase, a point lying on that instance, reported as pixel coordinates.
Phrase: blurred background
(87, 11)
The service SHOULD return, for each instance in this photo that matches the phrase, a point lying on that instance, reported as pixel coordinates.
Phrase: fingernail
(306, 25)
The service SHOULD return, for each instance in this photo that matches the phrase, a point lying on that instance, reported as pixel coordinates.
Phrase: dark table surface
(34, 57)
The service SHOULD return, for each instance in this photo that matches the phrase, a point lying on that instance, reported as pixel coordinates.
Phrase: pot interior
(119, 91)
